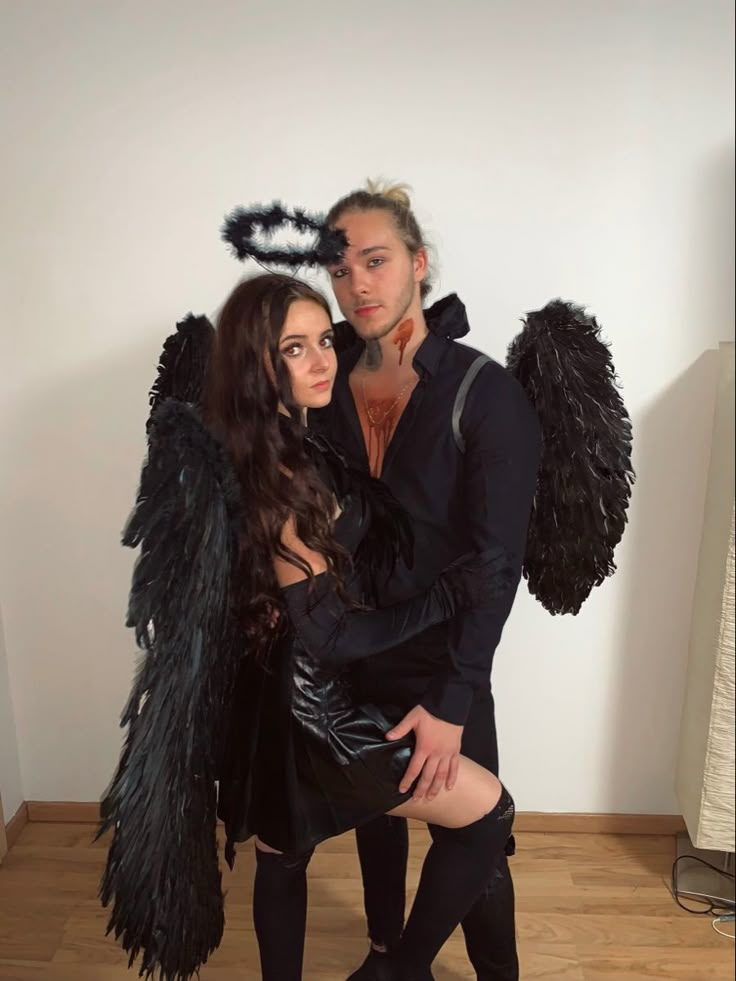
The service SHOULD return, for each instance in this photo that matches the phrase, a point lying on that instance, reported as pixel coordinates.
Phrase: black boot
(380, 966)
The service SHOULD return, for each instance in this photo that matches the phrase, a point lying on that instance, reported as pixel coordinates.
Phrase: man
(462, 459)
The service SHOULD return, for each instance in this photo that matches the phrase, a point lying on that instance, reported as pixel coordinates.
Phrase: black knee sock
(280, 913)
(458, 866)
(383, 849)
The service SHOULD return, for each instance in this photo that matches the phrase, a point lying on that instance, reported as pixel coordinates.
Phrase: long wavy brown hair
(247, 381)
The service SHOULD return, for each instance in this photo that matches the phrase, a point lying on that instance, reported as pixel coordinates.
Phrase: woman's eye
(328, 341)
(292, 350)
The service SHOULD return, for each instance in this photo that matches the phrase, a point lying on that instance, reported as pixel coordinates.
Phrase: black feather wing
(585, 477)
(182, 368)
(162, 878)
(390, 536)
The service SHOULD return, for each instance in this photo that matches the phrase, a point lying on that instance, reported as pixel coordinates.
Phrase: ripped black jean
(490, 926)
(280, 913)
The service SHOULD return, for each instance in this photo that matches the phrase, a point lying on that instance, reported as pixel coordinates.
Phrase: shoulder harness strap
(461, 398)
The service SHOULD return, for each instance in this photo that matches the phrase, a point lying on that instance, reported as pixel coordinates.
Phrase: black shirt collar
(446, 320)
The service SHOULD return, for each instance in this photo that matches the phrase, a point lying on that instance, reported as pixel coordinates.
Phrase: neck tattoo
(373, 356)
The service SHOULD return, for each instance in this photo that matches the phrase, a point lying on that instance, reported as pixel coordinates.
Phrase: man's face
(377, 283)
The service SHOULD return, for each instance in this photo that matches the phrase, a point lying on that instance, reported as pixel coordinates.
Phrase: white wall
(11, 787)
(571, 148)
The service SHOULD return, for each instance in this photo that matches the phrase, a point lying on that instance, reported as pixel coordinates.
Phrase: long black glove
(335, 634)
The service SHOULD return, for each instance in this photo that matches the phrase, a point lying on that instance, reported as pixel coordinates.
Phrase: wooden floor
(590, 908)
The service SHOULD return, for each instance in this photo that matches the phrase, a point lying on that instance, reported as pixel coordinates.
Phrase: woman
(258, 548)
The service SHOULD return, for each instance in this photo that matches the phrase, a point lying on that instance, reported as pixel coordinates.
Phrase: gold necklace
(377, 422)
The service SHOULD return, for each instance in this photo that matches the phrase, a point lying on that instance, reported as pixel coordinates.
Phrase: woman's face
(306, 345)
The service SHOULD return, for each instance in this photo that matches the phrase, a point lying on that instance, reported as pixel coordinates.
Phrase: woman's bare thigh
(475, 794)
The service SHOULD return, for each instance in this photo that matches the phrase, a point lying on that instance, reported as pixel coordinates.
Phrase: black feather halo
(242, 226)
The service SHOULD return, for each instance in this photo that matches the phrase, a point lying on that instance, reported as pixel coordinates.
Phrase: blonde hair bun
(398, 193)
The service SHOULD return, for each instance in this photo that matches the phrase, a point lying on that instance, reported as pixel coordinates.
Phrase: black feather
(390, 538)
(162, 878)
(182, 368)
(243, 224)
(585, 478)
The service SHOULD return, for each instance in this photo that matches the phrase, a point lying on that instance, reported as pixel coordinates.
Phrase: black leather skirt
(302, 761)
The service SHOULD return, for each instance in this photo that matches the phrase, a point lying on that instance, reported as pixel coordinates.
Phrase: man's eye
(339, 273)
(377, 261)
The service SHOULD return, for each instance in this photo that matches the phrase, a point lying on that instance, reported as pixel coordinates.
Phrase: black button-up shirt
(457, 502)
